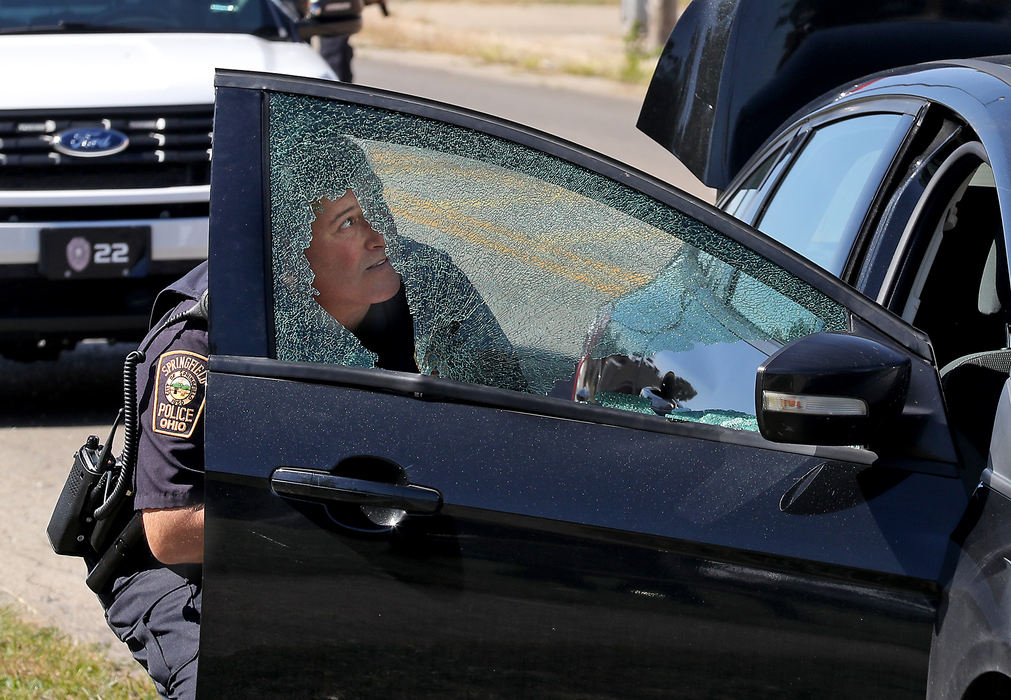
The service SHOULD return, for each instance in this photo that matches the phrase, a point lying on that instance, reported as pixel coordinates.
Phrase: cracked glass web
(525, 272)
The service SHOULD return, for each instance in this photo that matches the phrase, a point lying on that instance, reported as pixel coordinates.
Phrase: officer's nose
(374, 239)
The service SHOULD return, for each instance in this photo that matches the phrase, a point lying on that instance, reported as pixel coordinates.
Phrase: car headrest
(988, 302)
(1000, 442)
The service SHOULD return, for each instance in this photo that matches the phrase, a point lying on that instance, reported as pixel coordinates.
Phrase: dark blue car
(650, 449)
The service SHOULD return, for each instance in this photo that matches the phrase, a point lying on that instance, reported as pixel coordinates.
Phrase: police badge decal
(180, 390)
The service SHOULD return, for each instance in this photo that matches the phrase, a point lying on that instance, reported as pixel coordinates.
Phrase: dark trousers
(156, 613)
(337, 51)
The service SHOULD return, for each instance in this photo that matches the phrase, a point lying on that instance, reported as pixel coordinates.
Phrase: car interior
(960, 296)
(953, 298)
(944, 277)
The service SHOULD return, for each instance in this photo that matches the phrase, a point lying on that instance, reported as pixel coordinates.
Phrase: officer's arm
(175, 535)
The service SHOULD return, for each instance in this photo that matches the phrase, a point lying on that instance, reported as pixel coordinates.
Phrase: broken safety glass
(404, 243)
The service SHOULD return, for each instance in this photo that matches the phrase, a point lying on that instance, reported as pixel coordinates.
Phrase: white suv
(105, 143)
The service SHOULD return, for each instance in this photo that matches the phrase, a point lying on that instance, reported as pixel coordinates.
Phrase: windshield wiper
(71, 27)
(270, 31)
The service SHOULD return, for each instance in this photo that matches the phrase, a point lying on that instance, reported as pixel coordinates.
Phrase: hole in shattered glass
(498, 265)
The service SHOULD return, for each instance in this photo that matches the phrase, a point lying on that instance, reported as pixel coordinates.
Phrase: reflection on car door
(497, 524)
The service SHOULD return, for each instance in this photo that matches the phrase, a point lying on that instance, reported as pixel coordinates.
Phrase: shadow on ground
(82, 387)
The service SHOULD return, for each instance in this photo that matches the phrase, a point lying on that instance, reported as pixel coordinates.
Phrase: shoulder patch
(179, 392)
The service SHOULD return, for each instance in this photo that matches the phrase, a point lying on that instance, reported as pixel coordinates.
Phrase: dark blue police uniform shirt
(171, 392)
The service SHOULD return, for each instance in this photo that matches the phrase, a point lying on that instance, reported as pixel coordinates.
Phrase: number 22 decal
(112, 253)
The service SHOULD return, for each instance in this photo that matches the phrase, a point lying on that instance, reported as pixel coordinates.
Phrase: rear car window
(742, 203)
(512, 269)
(818, 207)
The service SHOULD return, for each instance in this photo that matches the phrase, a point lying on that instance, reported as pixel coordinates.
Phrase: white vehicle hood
(131, 70)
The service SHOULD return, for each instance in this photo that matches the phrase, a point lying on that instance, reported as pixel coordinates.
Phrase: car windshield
(260, 17)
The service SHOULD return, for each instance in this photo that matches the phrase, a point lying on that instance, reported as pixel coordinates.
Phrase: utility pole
(660, 18)
(650, 20)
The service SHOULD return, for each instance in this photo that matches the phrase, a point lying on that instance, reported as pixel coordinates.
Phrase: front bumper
(38, 310)
(172, 237)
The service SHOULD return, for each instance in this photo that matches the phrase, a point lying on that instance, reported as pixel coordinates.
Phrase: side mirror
(830, 389)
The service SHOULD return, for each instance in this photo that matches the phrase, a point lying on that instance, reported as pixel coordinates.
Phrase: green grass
(43, 664)
(639, 62)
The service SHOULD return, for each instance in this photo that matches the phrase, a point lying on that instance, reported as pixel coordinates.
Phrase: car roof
(982, 81)
(997, 66)
(734, 70)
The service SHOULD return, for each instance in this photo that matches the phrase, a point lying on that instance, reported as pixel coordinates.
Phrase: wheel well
(989, 686)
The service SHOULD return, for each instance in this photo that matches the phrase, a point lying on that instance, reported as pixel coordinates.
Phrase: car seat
(973, 383)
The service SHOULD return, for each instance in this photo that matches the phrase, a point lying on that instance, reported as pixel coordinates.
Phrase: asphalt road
(50, 408)
(594, 114)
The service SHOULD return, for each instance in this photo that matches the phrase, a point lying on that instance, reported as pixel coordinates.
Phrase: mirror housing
(830, 389)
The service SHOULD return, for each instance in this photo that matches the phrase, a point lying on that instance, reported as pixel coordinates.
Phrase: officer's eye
(347, 223)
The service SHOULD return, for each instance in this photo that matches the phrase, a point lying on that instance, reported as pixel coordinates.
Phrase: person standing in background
(342, 19)
(337, 51)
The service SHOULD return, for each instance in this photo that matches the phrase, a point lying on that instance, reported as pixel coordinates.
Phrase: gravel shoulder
(582, 45)
(48, 589)
(48, 412)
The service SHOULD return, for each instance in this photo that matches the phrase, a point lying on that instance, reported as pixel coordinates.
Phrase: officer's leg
(157, 614)
(337, 52)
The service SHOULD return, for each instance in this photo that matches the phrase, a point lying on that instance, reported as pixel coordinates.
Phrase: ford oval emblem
(90, 142)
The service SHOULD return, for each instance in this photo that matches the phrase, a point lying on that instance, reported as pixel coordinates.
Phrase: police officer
(153, 603)
(341, 19)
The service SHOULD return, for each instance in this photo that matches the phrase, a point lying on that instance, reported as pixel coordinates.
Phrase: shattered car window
(408, 244)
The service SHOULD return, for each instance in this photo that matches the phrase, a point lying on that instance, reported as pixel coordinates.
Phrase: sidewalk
(574, 45)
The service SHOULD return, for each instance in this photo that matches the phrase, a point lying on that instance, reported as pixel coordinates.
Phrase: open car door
(733, 71)
(565, 493)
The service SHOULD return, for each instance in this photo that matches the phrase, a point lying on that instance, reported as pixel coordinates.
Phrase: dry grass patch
(474, 34)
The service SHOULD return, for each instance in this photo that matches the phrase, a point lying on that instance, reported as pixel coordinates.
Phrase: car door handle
(325, 487)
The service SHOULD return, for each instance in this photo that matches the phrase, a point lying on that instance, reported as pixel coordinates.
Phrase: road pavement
(50, 408)
(597, 114)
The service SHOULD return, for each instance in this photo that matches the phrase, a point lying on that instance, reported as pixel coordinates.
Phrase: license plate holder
(100, 252)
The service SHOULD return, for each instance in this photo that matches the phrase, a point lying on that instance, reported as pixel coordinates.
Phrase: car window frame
(786, 147)
(778, 158)
(950, 145)
(875, 255)
(243, 346)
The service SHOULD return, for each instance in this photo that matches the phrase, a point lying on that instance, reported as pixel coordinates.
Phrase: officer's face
(349, 261)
